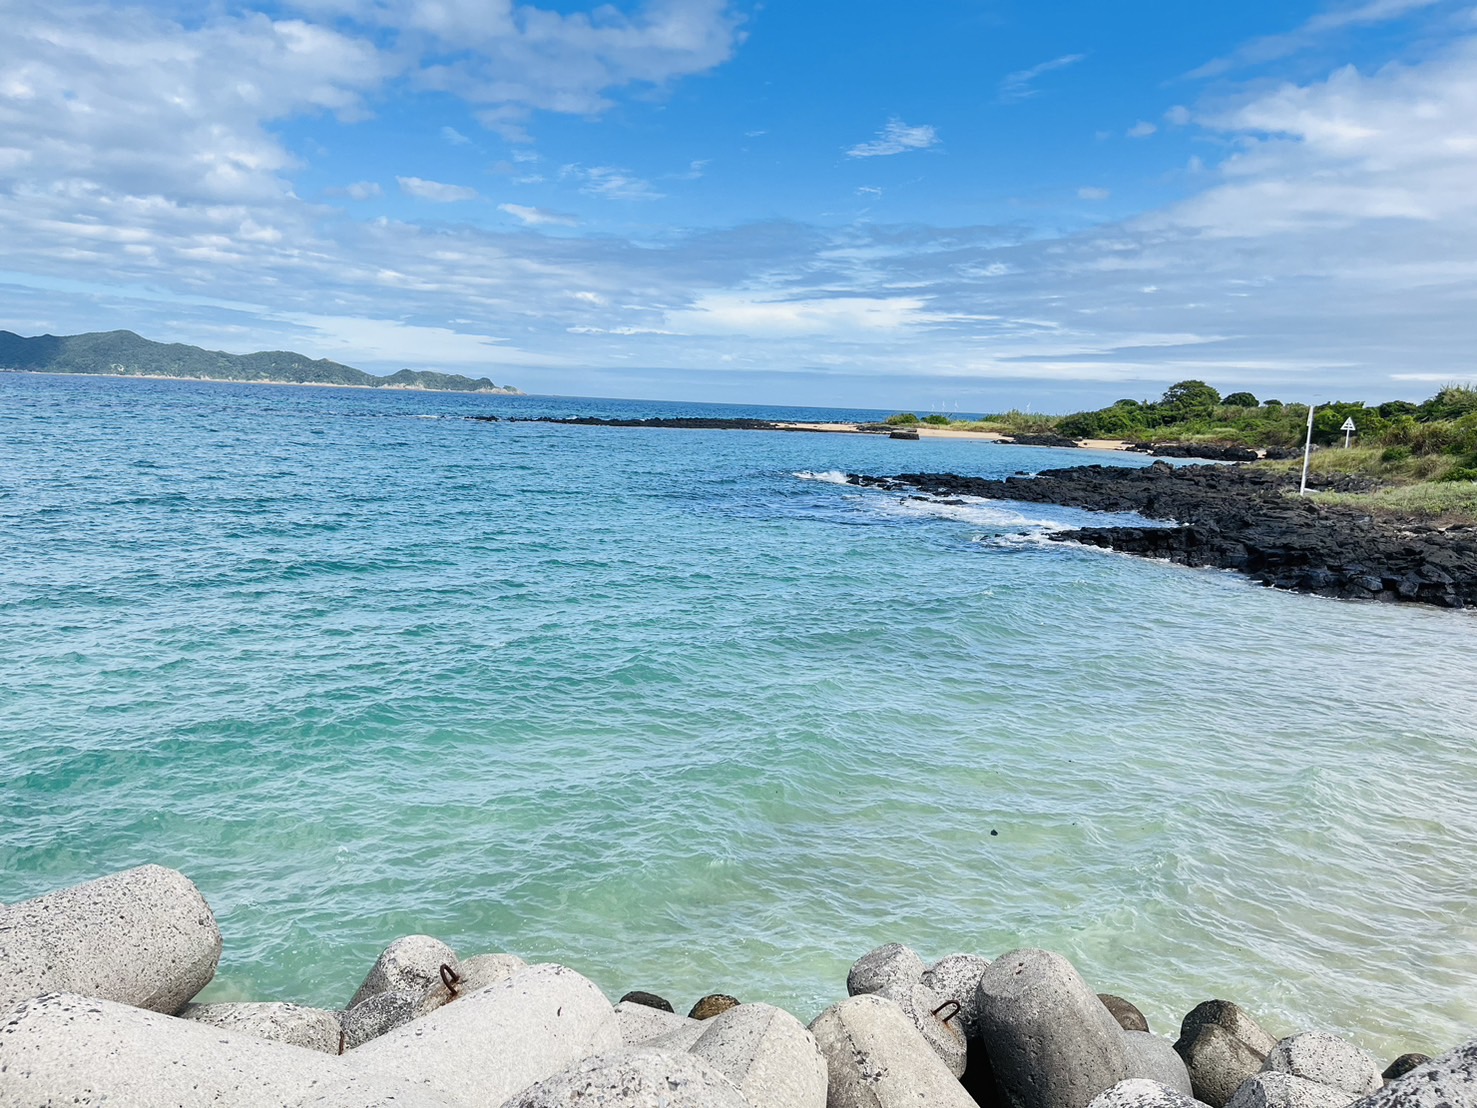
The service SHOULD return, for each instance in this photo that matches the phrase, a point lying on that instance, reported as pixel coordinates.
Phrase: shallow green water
(650, 704)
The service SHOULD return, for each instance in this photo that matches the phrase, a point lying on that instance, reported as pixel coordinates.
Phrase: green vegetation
(125, 354)
(902, 419)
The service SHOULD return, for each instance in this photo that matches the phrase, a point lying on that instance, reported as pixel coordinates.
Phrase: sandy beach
(930, 432)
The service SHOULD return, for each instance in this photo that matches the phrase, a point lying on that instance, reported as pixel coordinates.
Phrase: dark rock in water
(1061, 442)
(903, 435)
(1210, 451)
(1128, 1016)
(1241, 519)
(650, 1000)
(711, 1005)
(685, 423)
(1403, 1065)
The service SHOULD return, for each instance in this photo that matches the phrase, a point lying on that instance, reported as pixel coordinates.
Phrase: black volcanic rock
(1230, 517)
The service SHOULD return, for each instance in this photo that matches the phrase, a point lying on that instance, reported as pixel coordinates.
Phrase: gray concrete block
(925, 1007)
(875, 1058)
(487, 1045)
(481, 970)
(1219, 1062)
(679, 1039)
(634, 1079)
(1234, 1019)
(66, 1049)
(1051, 1042)
(408, 965)
(1328, 1060)
(1154, 1059)
(1139, 1092)
(641, 1023)
(891, 964)
(295, 1024)
(382, 1013)
(957, 978)
(768, 1054)
(1282, 1090)
(1449, 1081)
(144, 937)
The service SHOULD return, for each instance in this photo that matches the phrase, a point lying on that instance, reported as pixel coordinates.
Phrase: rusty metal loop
(343, 1041)
(946, 1004)
(449, 978)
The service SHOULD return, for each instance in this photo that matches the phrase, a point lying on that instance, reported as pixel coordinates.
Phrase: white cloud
(610, 182)
(454, 137)
(1018, 85)
(896, 138)
(538, 217)
(759, 315)
(1088, 192)
(1178, 116)
(1271, 47)
(1142, 129)
(435, 191)
(363, 190)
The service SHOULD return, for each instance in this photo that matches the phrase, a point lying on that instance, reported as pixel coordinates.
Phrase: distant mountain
(124, 354)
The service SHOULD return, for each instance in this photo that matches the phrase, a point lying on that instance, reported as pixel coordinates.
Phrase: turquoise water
(651, 704)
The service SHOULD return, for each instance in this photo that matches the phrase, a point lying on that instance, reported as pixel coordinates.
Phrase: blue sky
(978, 205)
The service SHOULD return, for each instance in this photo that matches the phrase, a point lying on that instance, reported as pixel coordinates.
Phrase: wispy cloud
(455, 137)
(435, 191)
(538, 217)
(363, 190)
(896, 138)
(610, 182)
(1142, 129)
(1018, 86)
(1090, 192)
(1271, 47)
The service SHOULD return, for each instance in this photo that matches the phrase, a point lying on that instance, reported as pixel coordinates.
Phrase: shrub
(937, 420)
(1394, 454)
(1459, 473)
(1239, 400)
(902, 419)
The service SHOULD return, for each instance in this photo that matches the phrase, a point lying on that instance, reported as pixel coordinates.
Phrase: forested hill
(125, 354)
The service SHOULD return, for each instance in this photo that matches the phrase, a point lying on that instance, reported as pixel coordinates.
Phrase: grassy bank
(1420, 460)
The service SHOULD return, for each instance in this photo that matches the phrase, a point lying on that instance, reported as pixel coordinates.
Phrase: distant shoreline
(500, 391)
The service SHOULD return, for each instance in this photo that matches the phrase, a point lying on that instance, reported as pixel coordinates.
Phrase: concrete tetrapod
(768, 1054)
(66, 1049)
(1449, 1081)
(1140, 1092)
(486, 1045)
(1275, 1089)
(295, 1024)
(957, 978)
(1219, 1062)
(633, 1079)
(875, 1058)
(1328, 1060)
(1051, 1042)
(925, 1008)
(1154, 1059)
(641, 1023)
(889, 965)
(144, 937)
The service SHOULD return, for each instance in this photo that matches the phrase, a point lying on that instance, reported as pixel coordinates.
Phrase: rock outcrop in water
(1241, 519)
(492, 1031)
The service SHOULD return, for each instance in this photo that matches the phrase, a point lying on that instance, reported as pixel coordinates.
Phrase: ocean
(681, 710)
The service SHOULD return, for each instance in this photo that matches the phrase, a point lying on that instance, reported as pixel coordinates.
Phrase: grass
(1411, 488)
(1436, 503)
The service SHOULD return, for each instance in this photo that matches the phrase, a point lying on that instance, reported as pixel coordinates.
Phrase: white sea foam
(829, 477)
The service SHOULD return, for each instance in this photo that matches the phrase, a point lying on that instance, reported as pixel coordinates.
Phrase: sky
(960, 205)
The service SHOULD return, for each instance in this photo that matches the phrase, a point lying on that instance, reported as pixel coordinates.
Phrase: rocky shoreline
(1242, 519)
(96, 984)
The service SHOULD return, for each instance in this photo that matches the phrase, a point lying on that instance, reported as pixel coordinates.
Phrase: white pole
(1307, 452)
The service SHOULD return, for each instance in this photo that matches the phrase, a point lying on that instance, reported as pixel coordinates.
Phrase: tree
(1239, 400)
(1189, 400)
